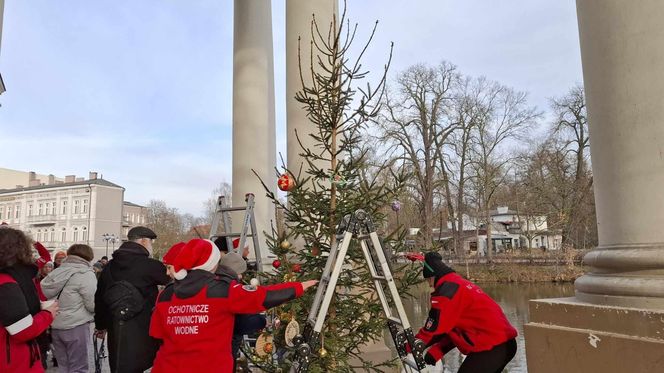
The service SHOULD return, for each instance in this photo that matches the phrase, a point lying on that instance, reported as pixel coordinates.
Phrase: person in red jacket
(21, 315)
(194, 315)
(463, 316)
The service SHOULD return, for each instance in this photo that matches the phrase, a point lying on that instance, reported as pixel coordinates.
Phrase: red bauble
(297, 268)
(286, 182)
(276, 263)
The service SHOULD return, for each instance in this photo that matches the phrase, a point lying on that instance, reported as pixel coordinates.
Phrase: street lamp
(109, 238)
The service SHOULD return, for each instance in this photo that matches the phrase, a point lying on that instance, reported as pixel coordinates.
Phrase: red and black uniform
(22, 321)
(194, 315)
(465, 317)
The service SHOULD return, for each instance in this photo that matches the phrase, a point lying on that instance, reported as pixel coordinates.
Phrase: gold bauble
(285, 316)
(322, 352)
(285, 245)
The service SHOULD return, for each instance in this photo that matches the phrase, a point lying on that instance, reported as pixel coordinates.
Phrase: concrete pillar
(254, 143)
(298, 25)
(614, 324)
(622, 49)
(2, 11)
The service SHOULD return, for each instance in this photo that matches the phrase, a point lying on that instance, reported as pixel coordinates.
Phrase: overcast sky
(140, 91)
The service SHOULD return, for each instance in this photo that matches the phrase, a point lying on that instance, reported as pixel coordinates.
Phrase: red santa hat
(196, 254)
(172, 253)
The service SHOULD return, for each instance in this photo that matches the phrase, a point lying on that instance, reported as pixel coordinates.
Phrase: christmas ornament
(285, 245)
(290, 277)
(292, 331)
(322, 352)
(254, 282)
(276, 323)
(396, 206)
(276, 264)
(297, 268)
(264, 345)
(286, 182)
(285, 316)
(315, 251)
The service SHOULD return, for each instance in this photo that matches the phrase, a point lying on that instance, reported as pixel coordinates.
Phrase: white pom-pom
(181, 274)
(254, 282)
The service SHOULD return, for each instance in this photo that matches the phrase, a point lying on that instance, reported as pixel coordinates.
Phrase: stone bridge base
(567, 335)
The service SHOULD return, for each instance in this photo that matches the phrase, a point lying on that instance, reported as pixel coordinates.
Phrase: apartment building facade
(59, 213)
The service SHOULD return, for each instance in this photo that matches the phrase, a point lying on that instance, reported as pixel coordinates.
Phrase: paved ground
(105, 368)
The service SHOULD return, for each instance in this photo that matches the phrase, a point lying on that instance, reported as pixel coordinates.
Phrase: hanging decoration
(292, 330)
(286, 182)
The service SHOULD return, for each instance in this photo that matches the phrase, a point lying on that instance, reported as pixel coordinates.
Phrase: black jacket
(130, 347)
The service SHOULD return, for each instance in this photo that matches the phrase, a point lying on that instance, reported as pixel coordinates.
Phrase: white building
(509, 229)
(61, 212)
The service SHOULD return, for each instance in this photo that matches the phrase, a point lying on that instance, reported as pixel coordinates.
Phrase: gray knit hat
(235, 262)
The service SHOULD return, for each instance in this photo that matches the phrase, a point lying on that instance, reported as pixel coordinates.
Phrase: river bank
(519, 273)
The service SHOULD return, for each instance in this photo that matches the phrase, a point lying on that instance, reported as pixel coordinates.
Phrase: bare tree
(167, 223)
(571, 132)
(415, 124)
(505, 115)
(210, 205)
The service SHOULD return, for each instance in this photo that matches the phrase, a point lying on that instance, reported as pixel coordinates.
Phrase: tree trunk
(489, 244)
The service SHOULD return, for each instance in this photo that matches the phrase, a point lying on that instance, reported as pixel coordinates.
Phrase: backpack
(123, 299)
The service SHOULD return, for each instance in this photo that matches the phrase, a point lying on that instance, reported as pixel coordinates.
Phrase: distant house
(509, 229)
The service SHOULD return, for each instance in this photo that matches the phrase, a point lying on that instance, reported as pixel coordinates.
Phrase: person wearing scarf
(21, 315)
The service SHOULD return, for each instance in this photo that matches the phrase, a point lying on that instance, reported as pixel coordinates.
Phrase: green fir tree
(337, 180)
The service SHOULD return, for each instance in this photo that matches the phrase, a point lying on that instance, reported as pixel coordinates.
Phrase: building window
(40, 210)
(85, 206)
(64, 207)
(75, 234)
(9, 213)
(133, 220)
(63, 236)
(76, 206)
(85, 234)
(38, 234)
(17, 213)
(52, 211)
(30, 210)
(52, 235)
(1, 212)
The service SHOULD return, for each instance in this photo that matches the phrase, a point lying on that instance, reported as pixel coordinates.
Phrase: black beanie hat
(434, 266)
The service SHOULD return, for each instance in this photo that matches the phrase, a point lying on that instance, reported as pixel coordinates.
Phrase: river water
(513, 298)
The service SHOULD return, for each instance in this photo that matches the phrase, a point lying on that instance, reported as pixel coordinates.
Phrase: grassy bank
(509, 272)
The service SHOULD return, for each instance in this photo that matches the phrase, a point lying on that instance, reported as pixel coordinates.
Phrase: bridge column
(298, 25)
(616, 321)
(254, 142)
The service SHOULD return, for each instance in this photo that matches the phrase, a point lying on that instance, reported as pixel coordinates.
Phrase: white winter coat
(78, 283)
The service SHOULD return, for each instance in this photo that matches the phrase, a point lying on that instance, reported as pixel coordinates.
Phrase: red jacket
(463, 316)
(19, 352)
(194, 319)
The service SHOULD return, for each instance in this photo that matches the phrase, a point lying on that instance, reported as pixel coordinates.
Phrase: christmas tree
(337, 180)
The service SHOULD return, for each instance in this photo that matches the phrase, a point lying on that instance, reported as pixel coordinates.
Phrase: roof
(127, 203)
(101, 182)
(509, 212)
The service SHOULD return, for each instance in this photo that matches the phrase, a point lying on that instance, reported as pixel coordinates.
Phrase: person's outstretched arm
(250, 299)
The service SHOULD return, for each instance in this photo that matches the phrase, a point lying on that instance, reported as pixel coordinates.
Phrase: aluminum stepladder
(360, 227)
(222, 214)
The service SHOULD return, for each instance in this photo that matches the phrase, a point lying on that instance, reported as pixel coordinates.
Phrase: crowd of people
(182, 314)
(188, 312)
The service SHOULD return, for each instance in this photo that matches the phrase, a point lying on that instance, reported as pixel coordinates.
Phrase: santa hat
(196, 254)
(172, 253)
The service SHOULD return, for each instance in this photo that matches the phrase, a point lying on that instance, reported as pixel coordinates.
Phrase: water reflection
(513, 298)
